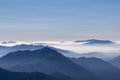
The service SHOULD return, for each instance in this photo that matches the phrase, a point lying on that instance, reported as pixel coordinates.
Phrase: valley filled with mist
(60, 60)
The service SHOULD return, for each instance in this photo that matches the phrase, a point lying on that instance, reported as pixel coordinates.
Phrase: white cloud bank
(76, 47)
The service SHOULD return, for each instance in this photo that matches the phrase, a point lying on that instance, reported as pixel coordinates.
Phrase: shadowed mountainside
(7, 75)
(42, 59)
(99, 67)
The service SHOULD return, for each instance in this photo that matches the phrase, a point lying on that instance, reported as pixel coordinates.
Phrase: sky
(59, 20)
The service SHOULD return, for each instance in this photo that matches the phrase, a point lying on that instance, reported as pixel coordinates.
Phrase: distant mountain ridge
(95, 41)
(95, 54)
(8, 42)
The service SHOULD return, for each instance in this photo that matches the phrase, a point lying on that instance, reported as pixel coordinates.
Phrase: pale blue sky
(33, 20)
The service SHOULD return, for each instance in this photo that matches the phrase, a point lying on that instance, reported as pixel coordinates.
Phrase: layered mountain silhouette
(7, 49)
(94, 41)
(99, 67)
(7, 75)
(45, 60)
(94, 54)
(115, 61)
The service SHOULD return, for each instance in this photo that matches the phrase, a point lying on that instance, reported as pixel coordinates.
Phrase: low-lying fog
(108, 49)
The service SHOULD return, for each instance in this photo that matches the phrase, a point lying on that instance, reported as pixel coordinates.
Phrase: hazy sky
(33, 20)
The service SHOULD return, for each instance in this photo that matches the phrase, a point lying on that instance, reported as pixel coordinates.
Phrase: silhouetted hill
(99, 67)
(42, 59)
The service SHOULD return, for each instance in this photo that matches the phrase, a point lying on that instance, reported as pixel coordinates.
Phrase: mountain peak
(48, 50)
